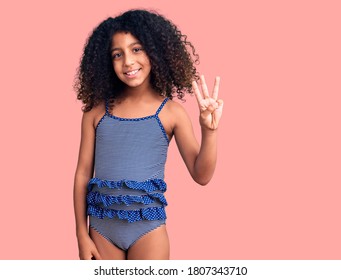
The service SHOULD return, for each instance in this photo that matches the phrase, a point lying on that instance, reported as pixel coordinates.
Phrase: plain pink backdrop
(276, 190)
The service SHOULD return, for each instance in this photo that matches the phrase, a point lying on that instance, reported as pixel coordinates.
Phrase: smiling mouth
(132, 73)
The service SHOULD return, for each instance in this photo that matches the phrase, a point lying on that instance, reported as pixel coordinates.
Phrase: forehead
(123, 38)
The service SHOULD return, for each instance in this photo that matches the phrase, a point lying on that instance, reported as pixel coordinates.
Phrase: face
(130, 61)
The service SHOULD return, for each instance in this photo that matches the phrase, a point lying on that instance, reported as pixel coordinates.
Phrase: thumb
(209, 110)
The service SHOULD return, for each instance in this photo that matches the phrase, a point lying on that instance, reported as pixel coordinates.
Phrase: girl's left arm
(200, 160)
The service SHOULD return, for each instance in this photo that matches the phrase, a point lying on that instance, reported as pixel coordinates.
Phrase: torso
(125, 110)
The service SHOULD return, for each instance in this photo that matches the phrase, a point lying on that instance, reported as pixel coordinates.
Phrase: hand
(211, 108)
(87, 249)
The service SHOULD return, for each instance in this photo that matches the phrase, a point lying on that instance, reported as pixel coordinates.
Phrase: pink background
(276, 191)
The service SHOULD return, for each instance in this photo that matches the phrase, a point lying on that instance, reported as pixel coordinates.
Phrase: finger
(204, 87)
(220, 105)
(96, 255)
(216, 88)
(207, 112)
(197, 91)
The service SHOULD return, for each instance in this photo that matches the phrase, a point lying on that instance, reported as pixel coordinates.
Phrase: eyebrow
(132, 44)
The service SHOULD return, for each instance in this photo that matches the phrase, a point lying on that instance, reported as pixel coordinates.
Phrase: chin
(133, 85)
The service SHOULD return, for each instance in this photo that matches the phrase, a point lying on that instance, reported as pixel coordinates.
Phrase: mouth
(132, 73)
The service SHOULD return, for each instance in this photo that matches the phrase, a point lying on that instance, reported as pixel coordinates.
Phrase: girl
(131, 68)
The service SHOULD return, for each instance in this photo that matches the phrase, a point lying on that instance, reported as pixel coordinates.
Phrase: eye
(137, 49)
(116, 55)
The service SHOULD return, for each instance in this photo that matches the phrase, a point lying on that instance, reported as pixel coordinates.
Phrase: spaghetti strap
(161, 106)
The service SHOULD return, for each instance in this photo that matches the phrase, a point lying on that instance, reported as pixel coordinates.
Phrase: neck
(138, 93)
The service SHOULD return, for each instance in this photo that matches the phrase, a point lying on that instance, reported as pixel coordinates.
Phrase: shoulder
(95, 114)
(175, 108)
(174, 113)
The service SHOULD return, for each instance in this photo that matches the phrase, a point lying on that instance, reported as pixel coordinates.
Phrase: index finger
(197, 91)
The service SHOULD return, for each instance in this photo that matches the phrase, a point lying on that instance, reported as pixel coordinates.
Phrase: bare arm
(200, 160)
(83, 174)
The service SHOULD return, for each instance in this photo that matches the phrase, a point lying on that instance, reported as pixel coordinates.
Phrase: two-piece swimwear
(125, 199)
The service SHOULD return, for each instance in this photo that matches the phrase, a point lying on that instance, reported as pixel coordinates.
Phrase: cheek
(117, 71)
(147, 62)
(116, 67)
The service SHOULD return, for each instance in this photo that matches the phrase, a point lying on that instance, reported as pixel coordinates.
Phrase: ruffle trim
(150, 214)
(97, 198)
(147, 186)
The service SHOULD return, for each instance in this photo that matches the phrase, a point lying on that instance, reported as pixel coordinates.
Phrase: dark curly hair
(169, 52)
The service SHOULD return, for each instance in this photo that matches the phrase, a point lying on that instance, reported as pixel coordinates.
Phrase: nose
(129, 60)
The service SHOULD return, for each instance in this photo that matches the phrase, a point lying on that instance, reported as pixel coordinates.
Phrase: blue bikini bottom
(121, 233)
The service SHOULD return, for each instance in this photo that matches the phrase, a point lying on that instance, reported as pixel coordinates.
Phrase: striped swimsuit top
(130, 157)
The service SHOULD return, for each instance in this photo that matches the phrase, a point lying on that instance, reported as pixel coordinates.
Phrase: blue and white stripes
(130, 157)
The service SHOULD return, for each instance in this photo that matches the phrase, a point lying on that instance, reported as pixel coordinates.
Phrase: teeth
(132, 72)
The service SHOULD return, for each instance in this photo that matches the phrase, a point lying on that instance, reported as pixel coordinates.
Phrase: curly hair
(172, 58)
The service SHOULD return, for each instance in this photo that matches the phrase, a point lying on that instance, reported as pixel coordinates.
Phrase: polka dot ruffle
(98, 202)
(147, 186)
(97, 198)
(150, 214)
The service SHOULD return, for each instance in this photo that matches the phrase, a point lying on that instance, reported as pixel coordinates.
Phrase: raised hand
(211, 108)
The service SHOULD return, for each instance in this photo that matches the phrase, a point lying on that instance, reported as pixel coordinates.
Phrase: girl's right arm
(84, 172)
